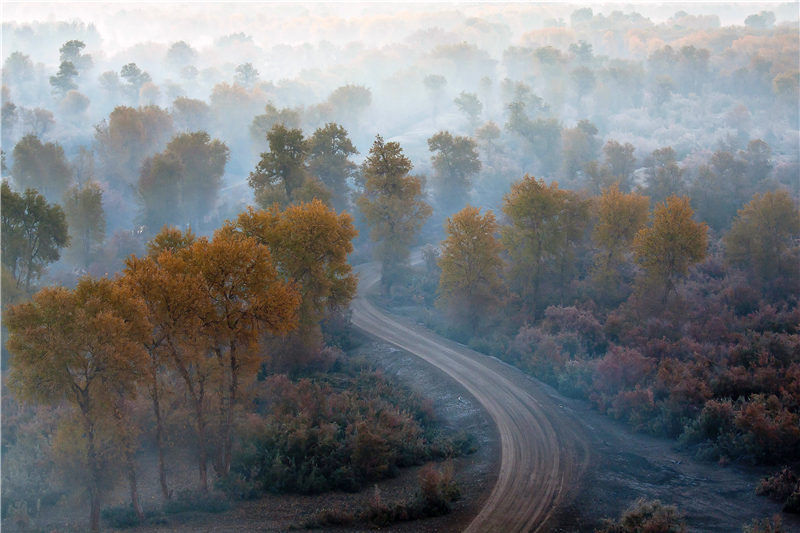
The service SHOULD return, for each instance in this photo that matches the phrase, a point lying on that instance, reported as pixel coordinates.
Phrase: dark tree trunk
(134, 488)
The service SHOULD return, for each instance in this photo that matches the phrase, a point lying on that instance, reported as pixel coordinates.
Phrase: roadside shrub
(124, 517)
(649, 516)
(191, 501)
(495, 344)
(437, 490)
(782, 486)
(767, 525)
(330, 517)
(333, 432)
(779, 485)
(121, 517)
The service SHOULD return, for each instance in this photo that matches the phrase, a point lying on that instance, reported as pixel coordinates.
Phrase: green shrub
(121, 517)
(191, 501)
(334, 432)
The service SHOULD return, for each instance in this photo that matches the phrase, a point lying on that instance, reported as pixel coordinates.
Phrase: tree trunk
(94, 481)
(137, 506)
(202, 457)
(227, 443)
(94, 515)
(162, 473)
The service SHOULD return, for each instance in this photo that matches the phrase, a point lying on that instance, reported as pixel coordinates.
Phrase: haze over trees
(605, 197)
(392, 205)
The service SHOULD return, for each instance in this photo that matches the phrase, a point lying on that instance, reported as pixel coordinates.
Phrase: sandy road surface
(543, 451)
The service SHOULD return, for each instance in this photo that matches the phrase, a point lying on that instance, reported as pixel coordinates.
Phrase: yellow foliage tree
(546, 224)
(670, 245)
(242, 297)
(619, 217)
(82, 347)
(470, 284)
(309, 243)
(762, 236)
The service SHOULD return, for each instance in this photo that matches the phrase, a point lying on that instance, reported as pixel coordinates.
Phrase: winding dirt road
(543, 450)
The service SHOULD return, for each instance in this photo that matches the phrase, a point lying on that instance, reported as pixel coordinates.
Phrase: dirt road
(543, 450)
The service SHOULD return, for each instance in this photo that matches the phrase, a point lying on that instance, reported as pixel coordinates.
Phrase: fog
(135, 116)
(501, 54)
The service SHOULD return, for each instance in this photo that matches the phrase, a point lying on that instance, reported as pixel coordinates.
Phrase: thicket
(673, 329)
(336, 431)
(649, 516)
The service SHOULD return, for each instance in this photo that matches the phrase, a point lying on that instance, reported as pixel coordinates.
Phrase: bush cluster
(649, 516)
(334, 432)
(124, 516)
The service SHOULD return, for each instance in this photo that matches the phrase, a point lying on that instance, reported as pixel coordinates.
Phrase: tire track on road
(543, 452)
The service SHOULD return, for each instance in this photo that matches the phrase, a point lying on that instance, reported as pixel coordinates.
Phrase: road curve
(543, 452)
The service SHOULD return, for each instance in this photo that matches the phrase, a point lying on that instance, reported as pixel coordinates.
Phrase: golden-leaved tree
(470, 285)
(209, 302)
(166, 284)
(546, 226)
(83, 347)
(242, 296)
(619, 217)
(761, 239)
(309, 243)
(670, 245)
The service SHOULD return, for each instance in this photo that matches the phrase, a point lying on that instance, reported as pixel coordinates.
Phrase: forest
(605, 198)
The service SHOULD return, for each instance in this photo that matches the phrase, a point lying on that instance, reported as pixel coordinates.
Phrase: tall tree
(63, 81)
(619, 217)
(37, 121)
(126, 139)
(180, 54)
(546, 223)
(33, 234)
(620, 162)
(329, 152)
(190, 114)
(41, 166)
(166, 282)
(471, 107)
(470, 285)
(435, 84)
(204, 163)
(264, 122)
(670, 245)
(579, 146)
(665, 177)
(281, 176)
(72, 51)
(393, 206)
(244, 297)
(83, 207)
(167, 285)
(309, 243)
(455, 160)
(160, 191)
(246, 75)
(763, 237)
(80, 347)
(135, 78)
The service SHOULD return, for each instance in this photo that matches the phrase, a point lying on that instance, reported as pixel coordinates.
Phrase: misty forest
(425, 267)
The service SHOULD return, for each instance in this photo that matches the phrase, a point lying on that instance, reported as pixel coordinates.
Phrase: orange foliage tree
(470, 283)
(309, 243)
(82, 347)
(670, 245)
